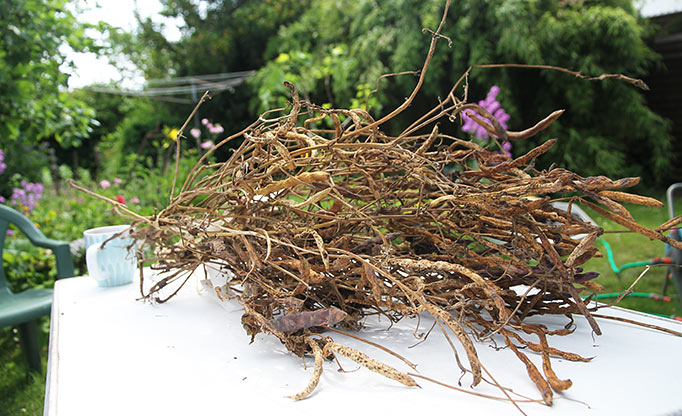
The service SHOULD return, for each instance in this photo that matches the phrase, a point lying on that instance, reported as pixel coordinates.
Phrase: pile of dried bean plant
(323, 227)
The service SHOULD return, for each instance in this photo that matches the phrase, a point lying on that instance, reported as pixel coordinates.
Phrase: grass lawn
(23, 395)
(20, 393)
(628, 248)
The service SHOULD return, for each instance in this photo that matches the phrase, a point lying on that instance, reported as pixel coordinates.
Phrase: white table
(113, 355)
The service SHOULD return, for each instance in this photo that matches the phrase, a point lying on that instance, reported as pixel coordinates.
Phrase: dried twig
(328, 227)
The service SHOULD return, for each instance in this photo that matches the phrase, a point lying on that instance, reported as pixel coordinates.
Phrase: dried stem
(316, 228)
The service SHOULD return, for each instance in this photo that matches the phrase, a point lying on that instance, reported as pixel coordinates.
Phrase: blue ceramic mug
(115, 263)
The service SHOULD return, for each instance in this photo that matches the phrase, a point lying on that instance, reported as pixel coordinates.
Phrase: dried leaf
(303, 320)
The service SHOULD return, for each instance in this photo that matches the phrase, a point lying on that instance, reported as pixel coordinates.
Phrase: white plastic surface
(113, 355)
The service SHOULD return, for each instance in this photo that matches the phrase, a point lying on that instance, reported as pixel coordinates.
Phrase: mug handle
(91, 259)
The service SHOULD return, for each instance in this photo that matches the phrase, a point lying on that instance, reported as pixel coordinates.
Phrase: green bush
(607, 128)
(23, 162)
(64, 215)
(27, 266)
(139, 139)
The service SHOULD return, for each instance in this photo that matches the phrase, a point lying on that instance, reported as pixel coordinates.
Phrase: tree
(34, 104)
(220, 36)
(336, 50)
(607, 128)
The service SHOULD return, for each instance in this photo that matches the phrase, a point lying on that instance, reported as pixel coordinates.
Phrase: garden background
(122, 145)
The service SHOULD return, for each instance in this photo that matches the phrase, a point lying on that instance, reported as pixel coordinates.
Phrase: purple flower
(207, 145)
(3, 166)
(27, 196)
(2, 199)
(117, 181)
(506, 148)
(195, 132)
(134, 200)
(493, 106)
(205, 121)
(104, 184)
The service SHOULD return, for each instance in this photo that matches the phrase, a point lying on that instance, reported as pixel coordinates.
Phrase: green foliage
(227, 35)
(607, 128)
(32, 106)
(61, 217)
(218, 36)
(334, 52)
(65, 215)
(36, 112)
(153, 186)
(24, 162)
(138, 137)
(110, 109)
(27, 266)
(312, 78)
(19, 394)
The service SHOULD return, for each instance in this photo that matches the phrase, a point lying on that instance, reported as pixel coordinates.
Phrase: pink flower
(104, 184)
(207, 145)
(120, 199)
(217, 129)
(134, 200)
(3, 166)
(117, 181)
(204, 121)
(195, 132)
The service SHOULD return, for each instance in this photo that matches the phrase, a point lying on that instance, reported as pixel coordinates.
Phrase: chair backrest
(669, 196)
(10, 216)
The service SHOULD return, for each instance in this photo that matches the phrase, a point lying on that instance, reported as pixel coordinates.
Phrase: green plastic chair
(23, 309)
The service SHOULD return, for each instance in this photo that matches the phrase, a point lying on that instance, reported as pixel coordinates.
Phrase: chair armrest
(60, 249)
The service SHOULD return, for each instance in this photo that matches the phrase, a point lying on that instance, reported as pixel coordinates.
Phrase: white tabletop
(113, 355)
